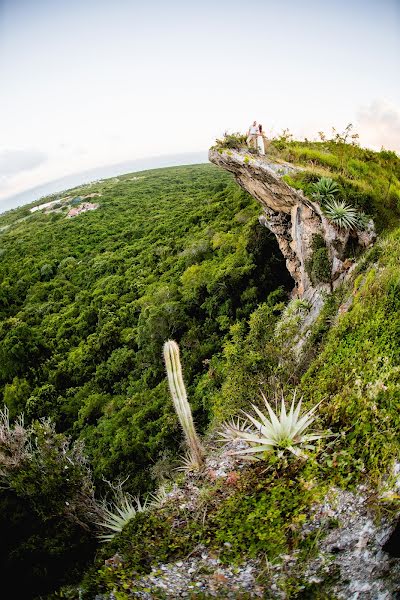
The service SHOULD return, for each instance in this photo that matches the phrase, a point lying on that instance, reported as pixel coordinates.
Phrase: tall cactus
(181, 404)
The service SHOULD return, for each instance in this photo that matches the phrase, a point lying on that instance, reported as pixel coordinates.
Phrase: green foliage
(340, 214)
(368, 180)
(47, 506)
(281, 142)
(118, 515)
(179, 253)
(362, 220)
(318, 266)
(287, 328)
(248, 358)
(324, 190)
(165, 257)
(264, 515)
(261, 516)
(358, 370)
(316, 156)
(232, 140)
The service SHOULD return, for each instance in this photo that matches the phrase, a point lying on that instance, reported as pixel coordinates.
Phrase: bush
(46, 508)
(234, 141)
(318, 266)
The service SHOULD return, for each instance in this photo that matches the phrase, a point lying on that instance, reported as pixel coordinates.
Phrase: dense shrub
(47, 508)
(319, 266)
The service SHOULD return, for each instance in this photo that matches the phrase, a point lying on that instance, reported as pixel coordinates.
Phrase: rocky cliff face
(291, 217)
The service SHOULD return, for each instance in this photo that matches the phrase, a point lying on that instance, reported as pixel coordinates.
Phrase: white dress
(260, 144)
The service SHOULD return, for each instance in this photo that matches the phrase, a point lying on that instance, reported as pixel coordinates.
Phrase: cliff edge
(294, 219)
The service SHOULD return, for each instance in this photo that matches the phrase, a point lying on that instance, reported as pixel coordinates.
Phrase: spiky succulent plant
(324, 190)
(341, 214)
(188, 463)
(233, 429)
(116, 516)
(274, 432)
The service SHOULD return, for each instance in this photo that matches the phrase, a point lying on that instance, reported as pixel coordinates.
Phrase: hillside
(87, 302)
(86, 305)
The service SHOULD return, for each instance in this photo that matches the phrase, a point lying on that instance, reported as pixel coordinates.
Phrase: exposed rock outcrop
(292, 218)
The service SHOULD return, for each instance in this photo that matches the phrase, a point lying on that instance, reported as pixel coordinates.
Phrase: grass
(358, 370)
(367, 180)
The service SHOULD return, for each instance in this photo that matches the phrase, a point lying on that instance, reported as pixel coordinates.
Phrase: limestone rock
(291, 217)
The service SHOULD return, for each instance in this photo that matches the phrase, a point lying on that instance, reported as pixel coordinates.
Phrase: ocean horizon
(69, 181)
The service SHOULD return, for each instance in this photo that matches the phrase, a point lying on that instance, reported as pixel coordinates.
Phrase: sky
(87, 84)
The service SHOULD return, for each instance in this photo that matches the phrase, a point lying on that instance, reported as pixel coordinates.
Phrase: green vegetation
(177, 253)
(232, 140)
(341, 214)
(118, 515)
(358, 370)
(86, 306)
(282, 432)
(259, 515)
(319, 266)
(47, 507)
(354, 368)
(368, 181)
(324, 190)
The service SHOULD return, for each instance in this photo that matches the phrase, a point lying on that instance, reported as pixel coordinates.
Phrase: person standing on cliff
(252, 135)
(261, 140)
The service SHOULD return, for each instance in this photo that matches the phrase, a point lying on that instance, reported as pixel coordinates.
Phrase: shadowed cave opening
(271, 271)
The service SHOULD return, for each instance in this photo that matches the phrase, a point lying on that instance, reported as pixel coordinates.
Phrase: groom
(252, 135)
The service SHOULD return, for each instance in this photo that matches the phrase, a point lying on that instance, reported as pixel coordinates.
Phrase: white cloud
(379, 125)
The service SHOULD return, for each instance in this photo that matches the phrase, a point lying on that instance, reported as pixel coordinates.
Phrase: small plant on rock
(318, 265)
(234, 140)
(116, 516)
(324, 190)
(195, 457)
(341, 214)
(233, 429)
(275, 432)
(363, 220)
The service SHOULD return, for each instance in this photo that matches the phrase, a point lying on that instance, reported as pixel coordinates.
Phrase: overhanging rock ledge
(292, 218)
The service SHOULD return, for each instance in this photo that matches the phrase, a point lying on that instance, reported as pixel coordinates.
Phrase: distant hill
(58, 185)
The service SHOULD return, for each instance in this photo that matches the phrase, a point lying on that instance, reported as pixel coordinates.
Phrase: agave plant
(324, 190)
(283, 432)
(157, 498)
(119, 514)
(189, 463)
(195, 456)
(341, 214)
(233, 429)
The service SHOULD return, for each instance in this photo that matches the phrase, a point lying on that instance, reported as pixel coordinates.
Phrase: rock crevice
(291, 217)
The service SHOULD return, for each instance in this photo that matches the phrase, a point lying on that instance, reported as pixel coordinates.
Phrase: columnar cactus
(181, 404)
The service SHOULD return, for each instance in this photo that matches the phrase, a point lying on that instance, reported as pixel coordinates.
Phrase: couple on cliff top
(256, 138)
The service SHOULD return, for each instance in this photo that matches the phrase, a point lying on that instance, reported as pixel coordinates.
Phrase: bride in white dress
(260, 141)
